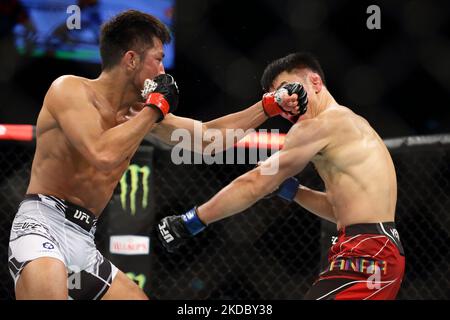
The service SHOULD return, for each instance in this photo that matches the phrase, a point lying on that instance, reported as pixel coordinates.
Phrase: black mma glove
(272, 101)
(172, 230)
(161, 93)
(302, 99)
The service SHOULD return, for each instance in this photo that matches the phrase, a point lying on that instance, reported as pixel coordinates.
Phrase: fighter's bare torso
(356, 168)
(58, 168)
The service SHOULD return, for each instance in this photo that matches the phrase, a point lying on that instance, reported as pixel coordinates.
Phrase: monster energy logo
(135, 172)
(140, 279)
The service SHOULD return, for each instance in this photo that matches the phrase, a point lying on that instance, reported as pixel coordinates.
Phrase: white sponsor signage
(129, 245)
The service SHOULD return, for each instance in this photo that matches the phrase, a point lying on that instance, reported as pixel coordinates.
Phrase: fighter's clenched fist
(161, 93)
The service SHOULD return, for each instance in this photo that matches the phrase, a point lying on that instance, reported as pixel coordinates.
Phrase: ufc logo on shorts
(164, 232)
(81, 216)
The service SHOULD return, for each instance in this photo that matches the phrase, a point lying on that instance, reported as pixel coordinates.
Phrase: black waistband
(74, 213)
(384, 228)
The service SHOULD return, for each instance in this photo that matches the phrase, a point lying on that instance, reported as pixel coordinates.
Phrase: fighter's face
(150, 65)
(301, 76)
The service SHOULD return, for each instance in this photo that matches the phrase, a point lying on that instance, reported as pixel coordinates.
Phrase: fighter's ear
(130, 59)
(316, 81)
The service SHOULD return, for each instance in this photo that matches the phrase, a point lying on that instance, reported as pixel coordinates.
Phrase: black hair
(129, 30)
(298, 60)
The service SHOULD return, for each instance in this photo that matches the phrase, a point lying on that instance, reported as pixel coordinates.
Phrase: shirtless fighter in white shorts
(86, 135)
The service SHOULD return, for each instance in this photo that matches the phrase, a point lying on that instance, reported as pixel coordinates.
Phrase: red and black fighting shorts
(366, 262)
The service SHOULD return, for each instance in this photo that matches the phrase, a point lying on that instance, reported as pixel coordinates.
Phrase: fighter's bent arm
(315, 202)
(303, 141)
(251, 117)
(81, 123)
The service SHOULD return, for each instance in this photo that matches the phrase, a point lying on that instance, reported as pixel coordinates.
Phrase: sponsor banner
(126, 223)
(129, 245)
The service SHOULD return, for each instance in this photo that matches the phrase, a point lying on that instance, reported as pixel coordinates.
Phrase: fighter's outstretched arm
(200, 133)
(239, 122)
(303, 141)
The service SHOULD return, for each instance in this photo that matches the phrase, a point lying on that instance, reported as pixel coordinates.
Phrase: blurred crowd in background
(397, 77)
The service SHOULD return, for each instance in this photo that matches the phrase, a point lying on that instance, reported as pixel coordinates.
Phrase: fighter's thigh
(123, 288)
(43, 278)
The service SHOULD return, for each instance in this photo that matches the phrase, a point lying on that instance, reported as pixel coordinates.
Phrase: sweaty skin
(84, 144)
(71, 159)
(350, 157)
(85, 141)
(357, 170)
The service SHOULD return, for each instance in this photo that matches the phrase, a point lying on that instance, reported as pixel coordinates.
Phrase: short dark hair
(129, 30)
(298, 60)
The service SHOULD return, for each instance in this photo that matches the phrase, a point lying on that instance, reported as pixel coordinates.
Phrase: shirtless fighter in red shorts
(367, 261)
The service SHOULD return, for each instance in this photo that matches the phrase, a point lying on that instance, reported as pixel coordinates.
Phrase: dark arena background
(397, 77)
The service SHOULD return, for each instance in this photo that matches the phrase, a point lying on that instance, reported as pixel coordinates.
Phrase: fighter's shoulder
(66, 93)
(67, 81)
(67, 84)
(344, 118)
(307, 131)
(322, 126)
(66, 89)
(336, 113)
(337, 117)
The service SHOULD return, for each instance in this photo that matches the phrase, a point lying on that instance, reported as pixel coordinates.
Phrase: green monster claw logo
(139, 278)
(134, 170)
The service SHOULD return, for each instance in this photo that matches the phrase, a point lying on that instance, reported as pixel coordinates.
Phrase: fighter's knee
(43, 278)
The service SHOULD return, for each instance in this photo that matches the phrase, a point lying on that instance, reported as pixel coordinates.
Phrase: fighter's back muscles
(358, 173)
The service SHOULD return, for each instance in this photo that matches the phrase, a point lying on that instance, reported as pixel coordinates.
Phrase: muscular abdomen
(59, 169)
